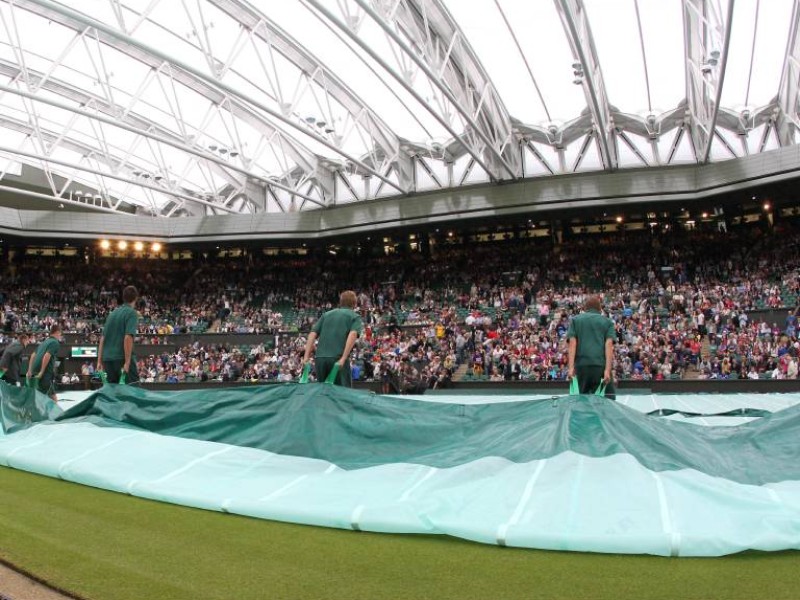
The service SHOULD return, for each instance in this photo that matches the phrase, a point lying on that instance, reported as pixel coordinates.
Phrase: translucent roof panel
(368, 80)
(537, 28)
(641, 53)
(208, 106)
(757, 48)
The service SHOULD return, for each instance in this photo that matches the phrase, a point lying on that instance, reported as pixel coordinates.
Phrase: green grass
(108, 546)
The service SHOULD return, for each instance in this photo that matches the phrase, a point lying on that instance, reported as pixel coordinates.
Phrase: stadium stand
(497, 311)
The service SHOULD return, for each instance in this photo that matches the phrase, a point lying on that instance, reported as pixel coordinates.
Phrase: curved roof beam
(40, 196)
(459, 76)
(301, 155)
(788, 118)
(706, 40)
(259, 23)
(53, 139)
(134, 124)
(473, 152)
(185, 73)
(579, 34)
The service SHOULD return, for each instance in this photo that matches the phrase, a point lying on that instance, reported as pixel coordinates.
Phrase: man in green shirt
(42, 363)
(337, 331)
(115, 355)
(591, 348)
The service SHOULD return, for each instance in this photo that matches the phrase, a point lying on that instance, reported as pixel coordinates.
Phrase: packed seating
(499, 310)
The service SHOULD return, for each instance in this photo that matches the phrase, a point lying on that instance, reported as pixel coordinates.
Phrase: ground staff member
(591, 348)
(115, 355)
(11, 361)
(42, 363)
(337, 330)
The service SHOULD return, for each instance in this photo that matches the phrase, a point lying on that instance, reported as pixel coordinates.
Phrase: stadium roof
(203, 107)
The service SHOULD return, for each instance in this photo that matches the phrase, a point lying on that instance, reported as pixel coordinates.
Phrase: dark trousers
(114, 371)
(323, 366)
(590, 377)
(10, 379)
(47, 384)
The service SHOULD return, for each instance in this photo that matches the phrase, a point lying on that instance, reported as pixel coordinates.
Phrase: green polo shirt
(591, 329)
(122, 321)
(333, 328)
(50, 346)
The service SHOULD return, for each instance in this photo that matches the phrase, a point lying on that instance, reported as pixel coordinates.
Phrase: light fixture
(138, 246)
(156, 247)
(122, 245)
(105, 244)
(619, 219)
(767, 206)
(213, 147)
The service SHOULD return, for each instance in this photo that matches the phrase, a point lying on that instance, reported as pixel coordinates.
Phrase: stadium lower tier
(577, 473)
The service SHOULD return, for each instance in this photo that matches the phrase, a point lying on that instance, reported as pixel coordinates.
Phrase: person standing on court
(11, 361)
(591, 348)
(42, 363)
(337, 331)
(115, 355)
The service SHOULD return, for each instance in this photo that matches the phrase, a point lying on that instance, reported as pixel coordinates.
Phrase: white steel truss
(235, 113)
(788, 116)
(587, 67)
(707, 34)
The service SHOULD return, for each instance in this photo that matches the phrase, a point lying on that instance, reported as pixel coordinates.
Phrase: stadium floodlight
(122, 245)
(156, 247)
(138, 246)
(105, 244)
(767, 206)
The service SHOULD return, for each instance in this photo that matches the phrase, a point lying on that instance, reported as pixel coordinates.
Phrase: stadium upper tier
(208, 107)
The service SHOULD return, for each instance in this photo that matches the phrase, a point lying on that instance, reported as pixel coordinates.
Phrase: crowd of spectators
(681, 303)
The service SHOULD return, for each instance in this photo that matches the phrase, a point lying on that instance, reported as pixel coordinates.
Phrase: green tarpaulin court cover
(568, 473)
